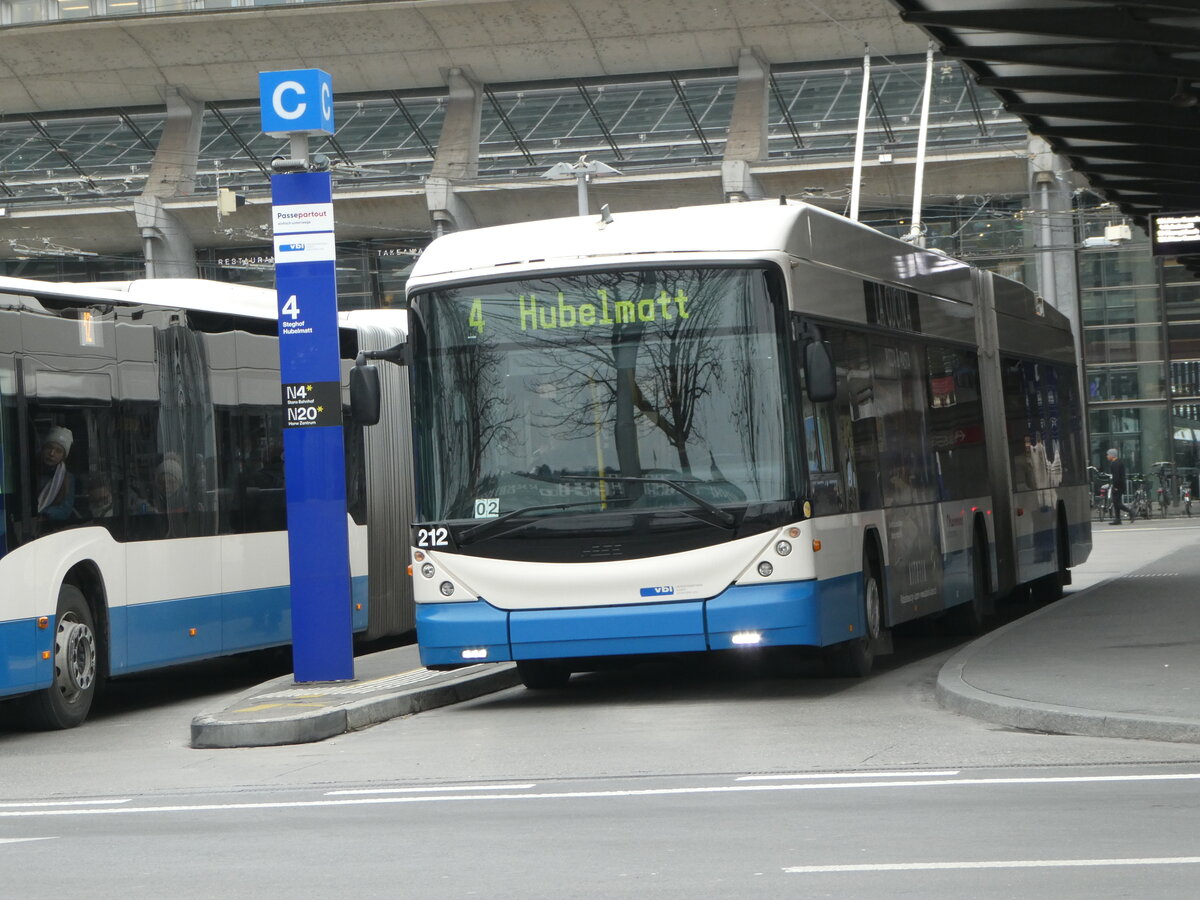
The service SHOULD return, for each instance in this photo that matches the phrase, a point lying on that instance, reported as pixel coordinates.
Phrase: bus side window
(856, 437)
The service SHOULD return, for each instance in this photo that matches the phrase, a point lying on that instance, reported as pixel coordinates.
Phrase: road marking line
(832, 775)
(996, 864)
(431, 790)
(23, 804)
(23, 840)
(576, 795)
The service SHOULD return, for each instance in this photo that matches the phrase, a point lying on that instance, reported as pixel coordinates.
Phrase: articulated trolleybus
(142, 505)
(747, 425)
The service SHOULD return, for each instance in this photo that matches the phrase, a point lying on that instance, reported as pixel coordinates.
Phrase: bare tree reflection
(661, 367)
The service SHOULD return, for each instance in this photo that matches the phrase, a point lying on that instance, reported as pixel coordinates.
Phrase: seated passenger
(100, 500)
(56, 486)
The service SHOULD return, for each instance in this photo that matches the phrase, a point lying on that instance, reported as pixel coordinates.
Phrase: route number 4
(291, 308)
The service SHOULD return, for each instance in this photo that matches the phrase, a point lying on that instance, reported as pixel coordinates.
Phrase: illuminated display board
(1175, 234)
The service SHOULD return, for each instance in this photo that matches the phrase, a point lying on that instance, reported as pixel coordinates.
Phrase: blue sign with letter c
(296, 101)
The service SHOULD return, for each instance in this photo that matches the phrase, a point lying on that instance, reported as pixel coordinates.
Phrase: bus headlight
(765, 568)
(783, 548)
(428, 570)
(447, 588)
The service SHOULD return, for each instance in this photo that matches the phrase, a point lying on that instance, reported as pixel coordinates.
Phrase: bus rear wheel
(66, 703)
(970, 618)
(854, 658)
(543, 674)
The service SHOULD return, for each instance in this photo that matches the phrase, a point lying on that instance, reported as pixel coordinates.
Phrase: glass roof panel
(82, 155)
(646, 119)
(823, 105)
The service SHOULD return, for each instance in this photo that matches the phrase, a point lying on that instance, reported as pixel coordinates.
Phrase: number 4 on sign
(291, 308)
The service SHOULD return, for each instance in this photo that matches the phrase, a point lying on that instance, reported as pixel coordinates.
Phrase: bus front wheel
(67, 701)
(543, 674)
(854, 658)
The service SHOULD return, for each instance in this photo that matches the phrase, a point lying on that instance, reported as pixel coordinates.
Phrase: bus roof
(185, 293)
(739, 230)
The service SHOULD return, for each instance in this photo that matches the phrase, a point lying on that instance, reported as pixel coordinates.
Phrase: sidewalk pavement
(1119, 656)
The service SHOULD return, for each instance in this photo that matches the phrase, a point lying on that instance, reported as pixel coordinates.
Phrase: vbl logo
(663, 591)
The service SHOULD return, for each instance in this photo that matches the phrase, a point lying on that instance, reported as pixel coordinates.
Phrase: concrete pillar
(173, 171)
(457, 154)
(747, 139)
(167, 246)
(1052, 194)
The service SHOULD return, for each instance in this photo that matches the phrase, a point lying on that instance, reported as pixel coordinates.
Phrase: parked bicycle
(1103, 502)
(1168, 481)
(1139, 497)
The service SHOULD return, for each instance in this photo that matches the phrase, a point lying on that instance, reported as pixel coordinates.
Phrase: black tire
(543, 674)
(66, 703)
(1050, 588)
(854, 658)
(969, 618)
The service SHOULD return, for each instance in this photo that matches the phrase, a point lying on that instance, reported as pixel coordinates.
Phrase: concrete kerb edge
(955, 693)
(208, 731)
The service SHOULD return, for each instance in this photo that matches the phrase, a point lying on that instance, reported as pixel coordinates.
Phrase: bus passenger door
(906, 464)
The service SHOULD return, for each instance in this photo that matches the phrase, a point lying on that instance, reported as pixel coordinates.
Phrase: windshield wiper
(483, 529)
(723, 517)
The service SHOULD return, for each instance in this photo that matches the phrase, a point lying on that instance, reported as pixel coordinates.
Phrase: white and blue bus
(142, 510)
(746, 425)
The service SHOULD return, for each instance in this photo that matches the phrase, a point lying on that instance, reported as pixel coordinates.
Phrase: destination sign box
(1175, 234)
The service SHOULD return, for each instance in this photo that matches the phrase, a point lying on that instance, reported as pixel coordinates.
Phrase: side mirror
(364, 395)
(820, 377)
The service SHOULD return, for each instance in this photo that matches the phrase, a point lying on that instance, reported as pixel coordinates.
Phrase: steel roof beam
(1121, 113)
(508, 125)
(1139, 136)
(412, 123)
(599, 120)
(62, 152)
(687, 108)
(1113, 87)
(1144, 185)
(1114, 24)
(785, 112)
(1163, 156)
(1159, 173)
(1127, 58)
(238, 139)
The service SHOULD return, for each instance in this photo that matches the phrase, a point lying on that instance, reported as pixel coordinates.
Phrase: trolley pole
(297, 104)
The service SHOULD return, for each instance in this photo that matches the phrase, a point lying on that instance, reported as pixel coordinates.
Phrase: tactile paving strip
(360, 687)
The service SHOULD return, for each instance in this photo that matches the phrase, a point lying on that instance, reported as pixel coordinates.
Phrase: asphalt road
(1062, 832)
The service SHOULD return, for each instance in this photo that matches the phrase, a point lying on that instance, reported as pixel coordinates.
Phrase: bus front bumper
(808, 613)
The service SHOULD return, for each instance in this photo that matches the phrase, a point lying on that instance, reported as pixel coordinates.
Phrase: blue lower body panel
(607, 630)
(22, 668)
(813, 613)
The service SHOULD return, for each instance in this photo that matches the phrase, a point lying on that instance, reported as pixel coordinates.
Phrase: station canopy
(1111, 85)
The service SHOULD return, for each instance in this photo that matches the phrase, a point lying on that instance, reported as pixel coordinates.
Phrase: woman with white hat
(56, 486)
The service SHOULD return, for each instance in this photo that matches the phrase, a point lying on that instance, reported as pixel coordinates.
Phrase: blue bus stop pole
(310, 382)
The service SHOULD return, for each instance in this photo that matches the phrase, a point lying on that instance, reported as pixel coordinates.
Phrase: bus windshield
(655, 389)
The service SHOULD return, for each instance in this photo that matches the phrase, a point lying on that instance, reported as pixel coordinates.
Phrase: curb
(955, 693)
(209, 731)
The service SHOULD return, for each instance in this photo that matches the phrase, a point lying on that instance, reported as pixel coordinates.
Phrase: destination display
(1175, 234)
(538, 313)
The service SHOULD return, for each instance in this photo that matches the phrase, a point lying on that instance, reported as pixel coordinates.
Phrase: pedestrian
(1117, 487)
